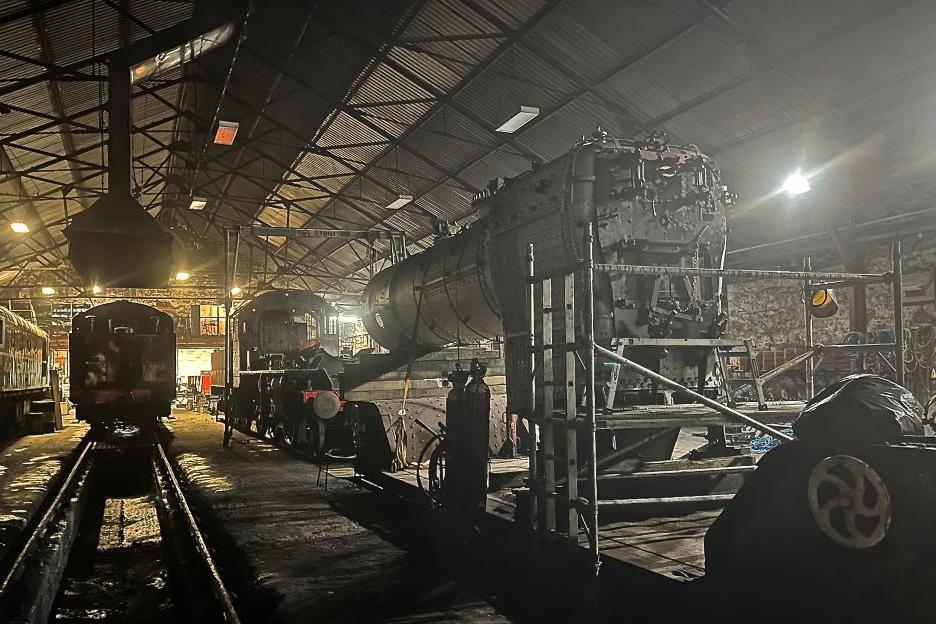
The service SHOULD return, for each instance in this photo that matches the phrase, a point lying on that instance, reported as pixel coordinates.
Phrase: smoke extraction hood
(115, 242)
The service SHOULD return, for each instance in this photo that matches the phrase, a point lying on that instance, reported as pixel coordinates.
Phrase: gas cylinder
(467, 418)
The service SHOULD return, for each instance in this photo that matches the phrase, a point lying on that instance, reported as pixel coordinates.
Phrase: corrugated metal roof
(733, 76)
(447, 17)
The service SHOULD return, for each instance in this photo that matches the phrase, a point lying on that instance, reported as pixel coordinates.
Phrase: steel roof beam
(354, 112)
(466, 81)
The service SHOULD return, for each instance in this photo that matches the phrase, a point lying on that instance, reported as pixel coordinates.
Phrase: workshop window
(210, 320)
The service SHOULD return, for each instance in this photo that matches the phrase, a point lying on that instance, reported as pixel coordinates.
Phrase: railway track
(116, 540)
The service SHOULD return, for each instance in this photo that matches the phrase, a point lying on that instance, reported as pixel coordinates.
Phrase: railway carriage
(24, 366)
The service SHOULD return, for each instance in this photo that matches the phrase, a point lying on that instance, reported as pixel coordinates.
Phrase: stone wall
(772, 311)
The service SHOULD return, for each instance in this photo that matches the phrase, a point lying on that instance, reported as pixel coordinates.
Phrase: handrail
(842, 278)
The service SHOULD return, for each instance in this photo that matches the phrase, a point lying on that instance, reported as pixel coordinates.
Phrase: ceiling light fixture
(226, 132)
(526, 114)
(48, 290)
(401, 201)
(181, 276)
(19, 227)
(96, 289)
(198, 203)
(796, 184)
(236, 291)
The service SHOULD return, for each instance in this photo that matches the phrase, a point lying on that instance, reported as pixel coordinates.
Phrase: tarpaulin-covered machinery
(842, 519)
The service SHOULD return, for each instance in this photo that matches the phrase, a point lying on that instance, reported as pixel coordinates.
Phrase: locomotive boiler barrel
(441, 296)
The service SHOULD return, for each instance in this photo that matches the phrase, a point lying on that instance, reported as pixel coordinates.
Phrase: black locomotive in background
(122, 364)
(285, 384)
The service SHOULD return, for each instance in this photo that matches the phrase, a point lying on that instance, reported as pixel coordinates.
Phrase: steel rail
(47, 518)
(848, 278)
(217, 585)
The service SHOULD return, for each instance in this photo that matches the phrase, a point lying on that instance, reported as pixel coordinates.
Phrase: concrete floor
(293, 552)
(28, 465)
(297, 552)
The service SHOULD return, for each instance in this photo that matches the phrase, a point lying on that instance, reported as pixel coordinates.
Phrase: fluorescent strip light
(181, 276)
(198, 203)
(48, 290)
(519, 120)
(399, 203)
(19, 227)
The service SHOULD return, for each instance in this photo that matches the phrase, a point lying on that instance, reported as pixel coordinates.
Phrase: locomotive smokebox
(117, 243)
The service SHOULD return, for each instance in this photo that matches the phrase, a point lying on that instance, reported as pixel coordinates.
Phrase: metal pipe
(118, 126)
(808, 323)
(818, 350)
(634, 269)
(589, 310)
(701, 398)
(790, 364)
(228, 302)
(614, 456)
(666, 500)
(687, 472)
(871, 346)
(897, 269)
(292, 232)
(836, 284)
(531, 318)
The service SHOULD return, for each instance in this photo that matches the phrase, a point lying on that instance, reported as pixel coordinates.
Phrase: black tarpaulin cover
(859, 409)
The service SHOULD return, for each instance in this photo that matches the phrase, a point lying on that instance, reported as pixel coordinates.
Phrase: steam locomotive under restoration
(24, 366)
(649, 203)
(122, 367)
(286, 363)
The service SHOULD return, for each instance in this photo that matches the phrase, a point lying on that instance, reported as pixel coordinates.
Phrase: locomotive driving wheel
(849, 501)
